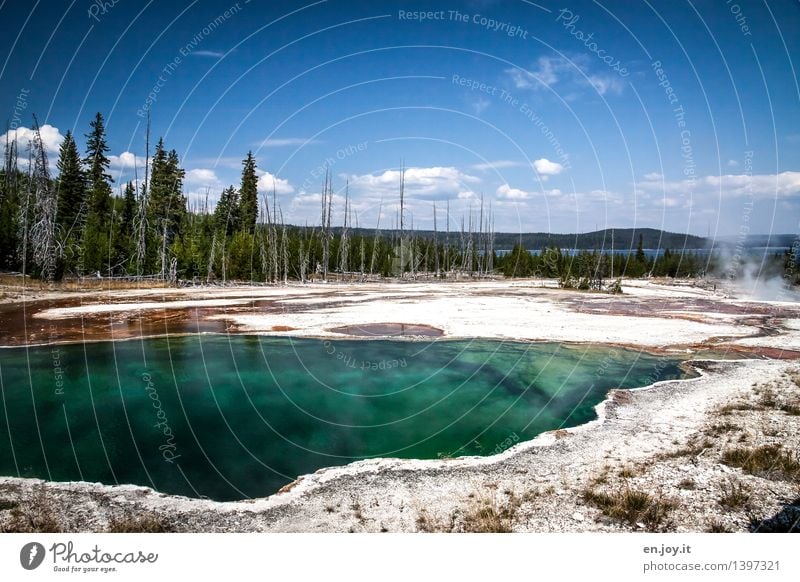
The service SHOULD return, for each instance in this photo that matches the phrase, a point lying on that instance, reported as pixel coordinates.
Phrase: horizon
(565, 120)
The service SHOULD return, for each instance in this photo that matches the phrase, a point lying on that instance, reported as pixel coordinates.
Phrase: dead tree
(44, 232)
(140, 221)
(375, 240)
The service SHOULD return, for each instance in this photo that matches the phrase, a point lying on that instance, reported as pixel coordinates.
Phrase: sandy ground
(541, 485)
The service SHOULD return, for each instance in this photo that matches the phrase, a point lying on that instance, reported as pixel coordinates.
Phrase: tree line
(73, 225)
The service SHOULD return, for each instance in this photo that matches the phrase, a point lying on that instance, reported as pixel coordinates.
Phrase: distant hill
(760, 240)
(624, 238)
(601, 239)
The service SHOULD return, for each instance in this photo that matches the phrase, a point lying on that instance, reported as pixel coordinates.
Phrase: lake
(233, 417)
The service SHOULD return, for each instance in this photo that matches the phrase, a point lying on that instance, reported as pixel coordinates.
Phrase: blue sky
(565, 116)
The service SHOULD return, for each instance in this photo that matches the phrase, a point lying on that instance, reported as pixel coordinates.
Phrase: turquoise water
(236, 417)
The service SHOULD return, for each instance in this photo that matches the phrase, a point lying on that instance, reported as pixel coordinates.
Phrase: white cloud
(126, 161)
(202, 177)
(433, 182)
(51, 138)
(273, 142)
(480, 105)
(498, 165)
(606, 84)
(653, 176)
(544, 74)
(733, 164)
(267, 181)
(780, 185)
(550, 71)
(210, 54)
(506, 192)
(547, 168)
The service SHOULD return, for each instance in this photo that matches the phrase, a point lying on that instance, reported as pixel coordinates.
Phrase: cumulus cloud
(547, 168)
(51, 138)
(202, 177)
(267, 181)
(653, 176)
(430, 183)
(125, 160)
(781, 185)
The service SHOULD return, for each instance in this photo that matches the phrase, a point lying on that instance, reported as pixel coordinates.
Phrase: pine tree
(70, 187)
(226, 214)
(97, 169)
(95, 237)
(166, 201)
(128, 209)
(248, 195)
(9, 206)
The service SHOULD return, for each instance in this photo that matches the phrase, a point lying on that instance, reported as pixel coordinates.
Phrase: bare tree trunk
(44, 233)
(375, 240)
(435, 242)
(140, 223)
(210, 270)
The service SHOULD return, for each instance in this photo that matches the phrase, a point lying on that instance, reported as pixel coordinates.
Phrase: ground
(718, 452)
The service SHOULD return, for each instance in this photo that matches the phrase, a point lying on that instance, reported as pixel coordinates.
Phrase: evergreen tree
(9, 207)
(97, 169)
(248, 195)
(166, 201)
(70, 187)
(128, 208)
(226, 214)
(95, 239)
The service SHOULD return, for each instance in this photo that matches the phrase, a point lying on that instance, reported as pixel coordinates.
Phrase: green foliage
(167, 205)
(248, 195)
(518, 263)
(226, 214)
(70, 187)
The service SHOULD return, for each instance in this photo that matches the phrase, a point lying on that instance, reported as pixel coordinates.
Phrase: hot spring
(235, 417)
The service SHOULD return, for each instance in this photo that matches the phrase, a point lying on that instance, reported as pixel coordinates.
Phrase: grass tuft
(735, 495)
(766, 461)
(632, 506)
(146, 523)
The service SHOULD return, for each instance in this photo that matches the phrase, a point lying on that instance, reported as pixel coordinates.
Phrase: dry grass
(632, 506)
(693, 448)
(769, 461)
(33, 513)
(735, 495)
(715, 526)
(145, 523)
(489, 516)
(485, 512)
(721, 428)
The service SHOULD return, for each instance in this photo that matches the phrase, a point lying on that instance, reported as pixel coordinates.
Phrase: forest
(73, 225)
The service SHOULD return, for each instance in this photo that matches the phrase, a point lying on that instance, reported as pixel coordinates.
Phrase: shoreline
(450, 483)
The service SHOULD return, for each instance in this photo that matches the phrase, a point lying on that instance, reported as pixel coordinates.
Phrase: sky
(561, 116)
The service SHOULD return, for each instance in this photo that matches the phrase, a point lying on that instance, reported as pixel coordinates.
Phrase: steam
(756, 277)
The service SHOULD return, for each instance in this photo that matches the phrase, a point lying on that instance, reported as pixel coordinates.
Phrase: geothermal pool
(235, 417)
